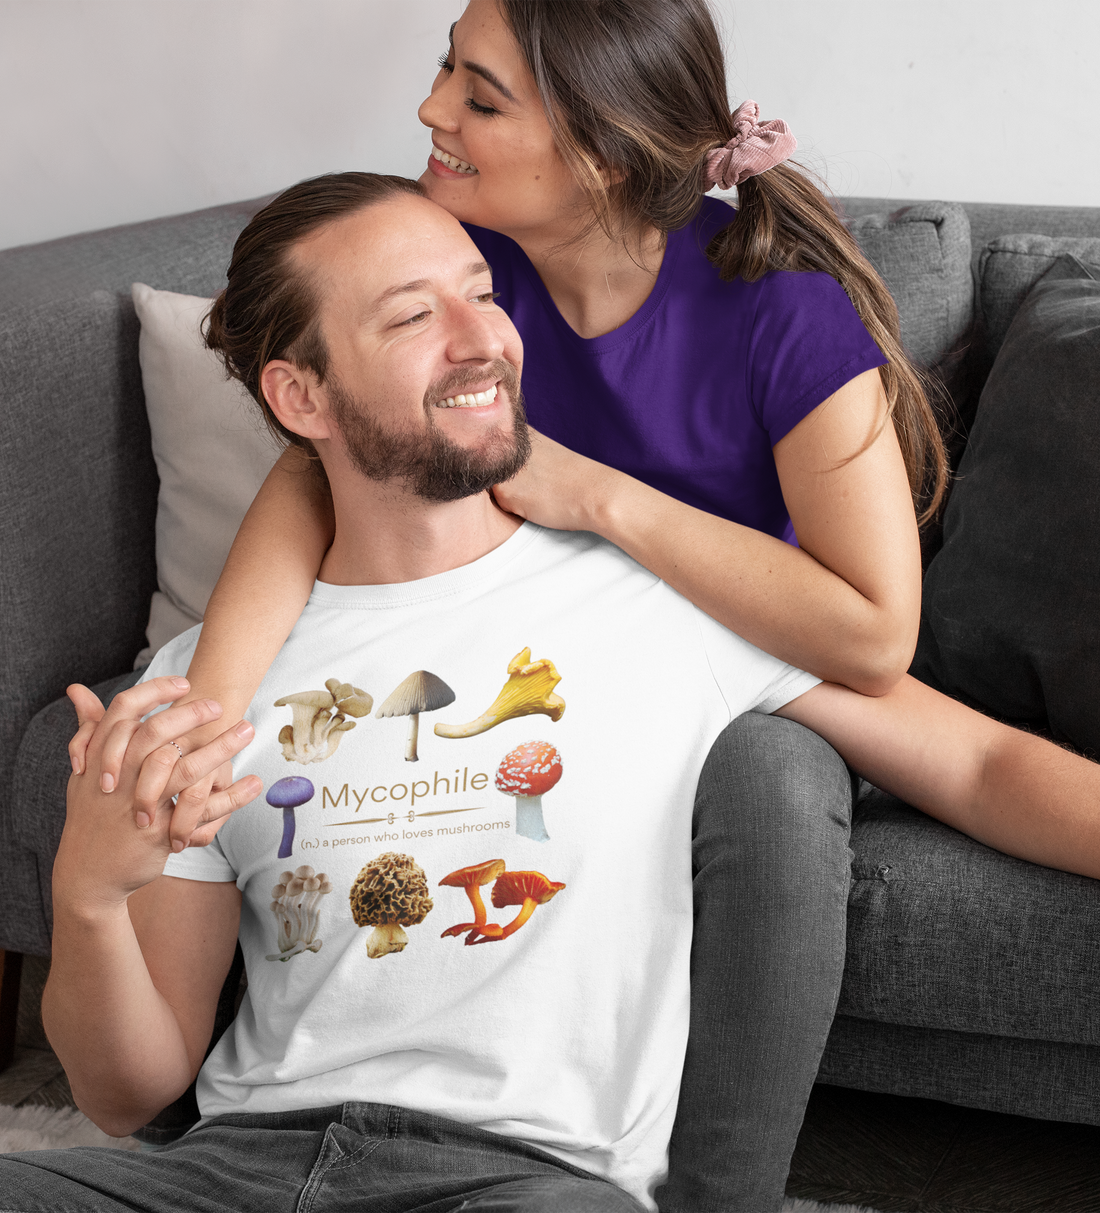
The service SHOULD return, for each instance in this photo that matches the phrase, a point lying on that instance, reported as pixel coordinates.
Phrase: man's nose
(473, 335)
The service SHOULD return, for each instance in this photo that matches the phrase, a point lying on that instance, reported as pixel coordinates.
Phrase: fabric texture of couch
(971, 976)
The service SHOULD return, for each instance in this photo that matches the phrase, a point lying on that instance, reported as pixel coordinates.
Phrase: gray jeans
(355, 1158)
(771, 872)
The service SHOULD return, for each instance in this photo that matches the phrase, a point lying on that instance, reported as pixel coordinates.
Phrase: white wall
(117, 110)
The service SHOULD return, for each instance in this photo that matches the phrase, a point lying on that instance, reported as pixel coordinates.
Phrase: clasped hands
(134, 797)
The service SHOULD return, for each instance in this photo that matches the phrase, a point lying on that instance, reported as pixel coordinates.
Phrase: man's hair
(269, 308)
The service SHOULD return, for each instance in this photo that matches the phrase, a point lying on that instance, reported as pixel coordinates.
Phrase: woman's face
(493, 159)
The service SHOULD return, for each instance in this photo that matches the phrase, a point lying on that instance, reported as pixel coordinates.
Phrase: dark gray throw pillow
(1011, 615)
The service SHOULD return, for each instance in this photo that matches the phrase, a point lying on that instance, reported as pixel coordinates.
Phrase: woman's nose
(435, 110)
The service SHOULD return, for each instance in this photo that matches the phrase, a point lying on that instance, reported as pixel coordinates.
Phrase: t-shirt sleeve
(749, 679)
(201, 863)
(807, 342)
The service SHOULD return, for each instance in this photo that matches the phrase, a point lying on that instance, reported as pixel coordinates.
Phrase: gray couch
(971, 976)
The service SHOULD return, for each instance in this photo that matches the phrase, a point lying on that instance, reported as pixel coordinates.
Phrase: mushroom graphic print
(320, 720)
(471, 879)
(297, 911)
(528, 691)
(525, 889)
(287, 794)
(390, 893)
(422, 691)
(526, 773)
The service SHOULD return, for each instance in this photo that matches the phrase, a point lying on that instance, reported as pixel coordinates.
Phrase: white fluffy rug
(35, 1128)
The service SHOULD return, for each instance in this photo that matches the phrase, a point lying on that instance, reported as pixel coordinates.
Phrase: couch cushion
(1011, 613)
(1011, 265)
(946, 933)
(923, 255)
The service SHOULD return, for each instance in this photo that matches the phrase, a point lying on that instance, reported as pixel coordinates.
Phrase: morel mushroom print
(319, 720)
(422, 691)
(528, 691)
(524, 889)
(526, 773)
(287, 794)
(297, 911)
(390, 893)
(471, 879)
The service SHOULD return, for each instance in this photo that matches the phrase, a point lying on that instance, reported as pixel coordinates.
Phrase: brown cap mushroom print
(319, 720)
(529, 690)
(471, 879)
(526, 773)
(391, 892)
(422, 691)
(525, 889)
(297, 912)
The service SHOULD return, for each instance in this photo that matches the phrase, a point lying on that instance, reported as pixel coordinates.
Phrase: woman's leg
(771, 872)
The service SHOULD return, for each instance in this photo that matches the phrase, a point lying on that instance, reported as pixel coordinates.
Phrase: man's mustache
(464, 377)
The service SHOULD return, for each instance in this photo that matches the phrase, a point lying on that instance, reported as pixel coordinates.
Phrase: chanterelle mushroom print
(528, 691)
(422, 691)
(297, 911)
(391, 892)
(319, 720)
(526, 773)
(471, 879)
(524, 889)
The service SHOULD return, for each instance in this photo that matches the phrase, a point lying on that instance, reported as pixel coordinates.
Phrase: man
(518, 1054)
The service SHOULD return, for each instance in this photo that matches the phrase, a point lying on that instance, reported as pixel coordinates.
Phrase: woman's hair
(635, 92)
(269, 308)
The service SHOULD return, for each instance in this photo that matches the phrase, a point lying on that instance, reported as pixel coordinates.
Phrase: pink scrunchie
(756, 147)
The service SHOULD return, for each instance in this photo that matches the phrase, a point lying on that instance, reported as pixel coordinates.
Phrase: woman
(748, 405)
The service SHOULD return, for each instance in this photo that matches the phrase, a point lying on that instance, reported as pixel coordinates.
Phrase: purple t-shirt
(692, 393)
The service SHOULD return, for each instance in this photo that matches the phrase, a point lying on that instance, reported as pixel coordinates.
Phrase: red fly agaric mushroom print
(526, 773)
(471, 879)
(524, 889)
(529, 690)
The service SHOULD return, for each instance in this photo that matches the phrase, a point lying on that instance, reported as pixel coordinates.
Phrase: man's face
(423, 381)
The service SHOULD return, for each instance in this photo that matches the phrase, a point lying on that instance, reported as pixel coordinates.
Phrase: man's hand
(116, 841)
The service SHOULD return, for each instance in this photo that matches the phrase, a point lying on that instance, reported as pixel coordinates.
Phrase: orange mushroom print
(526, 773)
(320, 719)
(422, 691)
(471, 879)
(528, 692)
(390, 893)
(297, 911)
(524, 889)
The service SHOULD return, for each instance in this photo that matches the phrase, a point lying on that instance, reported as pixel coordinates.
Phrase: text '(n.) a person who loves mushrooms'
(391, 892)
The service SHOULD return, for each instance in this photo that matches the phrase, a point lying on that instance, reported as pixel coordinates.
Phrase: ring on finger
(177, 749)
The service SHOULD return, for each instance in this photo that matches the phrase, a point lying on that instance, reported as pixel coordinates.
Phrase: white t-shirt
(569, 1032)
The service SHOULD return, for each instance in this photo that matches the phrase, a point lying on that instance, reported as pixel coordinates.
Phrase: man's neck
(386, 535)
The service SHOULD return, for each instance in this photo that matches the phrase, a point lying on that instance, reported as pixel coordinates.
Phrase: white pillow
(212, 451)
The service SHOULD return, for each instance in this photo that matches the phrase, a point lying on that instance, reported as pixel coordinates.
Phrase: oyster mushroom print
(422, 691)
(528, 691)
(526, 773)
(390, 893)
(527, 890)
(319, 720)
(297, 911)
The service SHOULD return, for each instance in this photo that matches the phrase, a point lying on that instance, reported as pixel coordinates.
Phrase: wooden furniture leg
(11, 968)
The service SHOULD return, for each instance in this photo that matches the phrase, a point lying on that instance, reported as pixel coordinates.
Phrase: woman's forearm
(266, 582)
(776, 596)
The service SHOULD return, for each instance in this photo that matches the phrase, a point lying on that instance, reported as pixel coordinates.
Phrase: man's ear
(291, 394)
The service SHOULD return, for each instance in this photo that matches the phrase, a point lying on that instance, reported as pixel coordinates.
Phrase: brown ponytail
(784, 222)
(640, 86)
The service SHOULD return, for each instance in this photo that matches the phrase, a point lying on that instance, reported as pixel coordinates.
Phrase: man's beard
(431, 465)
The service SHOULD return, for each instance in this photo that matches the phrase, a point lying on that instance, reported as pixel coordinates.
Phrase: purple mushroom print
(287, 794)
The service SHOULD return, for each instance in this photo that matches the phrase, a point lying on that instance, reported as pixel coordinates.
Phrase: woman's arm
(845, 605)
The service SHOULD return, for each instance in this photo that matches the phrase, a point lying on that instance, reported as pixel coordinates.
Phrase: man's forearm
(120, 1043)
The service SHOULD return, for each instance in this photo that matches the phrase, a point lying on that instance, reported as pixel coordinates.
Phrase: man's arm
(138, 957)
(1008, 789)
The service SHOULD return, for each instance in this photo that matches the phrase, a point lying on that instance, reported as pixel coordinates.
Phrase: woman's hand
(558, 488)
(105, 846)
